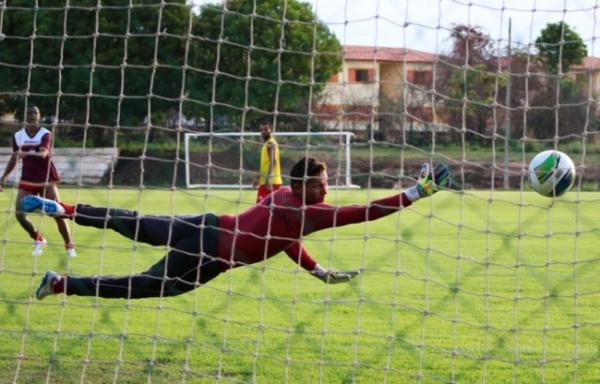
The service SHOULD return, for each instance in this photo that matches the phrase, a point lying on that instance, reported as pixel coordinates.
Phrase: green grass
(472, 152)
(477, 287)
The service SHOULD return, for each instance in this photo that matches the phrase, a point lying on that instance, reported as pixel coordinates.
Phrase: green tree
(256, 58)
(563, 113)
(560, 108)
(106, 65)
(559, 44)
(522, 89)
(473, 92)
(469, 80)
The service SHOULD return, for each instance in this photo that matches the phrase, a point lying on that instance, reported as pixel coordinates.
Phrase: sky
(424, 24)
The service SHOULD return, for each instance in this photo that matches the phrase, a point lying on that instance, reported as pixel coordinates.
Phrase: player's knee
(176, 288)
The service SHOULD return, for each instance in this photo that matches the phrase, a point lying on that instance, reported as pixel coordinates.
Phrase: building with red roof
(377, 82)
(353, 97)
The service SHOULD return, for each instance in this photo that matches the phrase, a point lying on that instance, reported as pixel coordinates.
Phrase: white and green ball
(551, 173)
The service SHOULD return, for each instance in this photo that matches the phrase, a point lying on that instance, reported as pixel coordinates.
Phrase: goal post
(228, 160)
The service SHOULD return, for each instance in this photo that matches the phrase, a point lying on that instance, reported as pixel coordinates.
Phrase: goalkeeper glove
(429, 181)
(333, 277)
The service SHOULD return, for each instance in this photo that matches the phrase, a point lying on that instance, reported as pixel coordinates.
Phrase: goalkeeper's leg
(154, 230)
(191, 263)
(180, 271)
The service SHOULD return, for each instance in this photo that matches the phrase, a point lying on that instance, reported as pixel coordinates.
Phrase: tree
(105, 66)
(560, 46)
(561, 116)
(525, 82)
(472, 92)
(467, 77)
(470, 45)
(260, 57)
(560, 108)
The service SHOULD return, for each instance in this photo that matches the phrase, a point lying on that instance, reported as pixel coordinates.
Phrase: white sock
(318, 270)
(412, 194)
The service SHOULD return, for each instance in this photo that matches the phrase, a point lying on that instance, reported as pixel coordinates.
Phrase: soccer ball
(551, 173)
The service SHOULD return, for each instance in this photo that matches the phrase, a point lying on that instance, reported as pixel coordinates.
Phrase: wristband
(319, 271)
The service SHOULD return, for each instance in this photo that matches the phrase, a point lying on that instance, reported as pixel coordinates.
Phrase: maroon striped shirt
(36, 169)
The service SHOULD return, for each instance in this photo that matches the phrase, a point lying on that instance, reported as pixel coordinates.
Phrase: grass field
(480, 287)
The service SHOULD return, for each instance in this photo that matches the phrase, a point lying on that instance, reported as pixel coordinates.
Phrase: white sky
(424, 24)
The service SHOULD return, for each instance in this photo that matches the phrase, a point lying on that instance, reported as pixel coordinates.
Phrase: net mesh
(485, 282)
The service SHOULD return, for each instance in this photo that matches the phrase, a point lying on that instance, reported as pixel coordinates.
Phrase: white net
(484, 282)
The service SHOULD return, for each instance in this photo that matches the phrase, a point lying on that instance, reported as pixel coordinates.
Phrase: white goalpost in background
(340, 145)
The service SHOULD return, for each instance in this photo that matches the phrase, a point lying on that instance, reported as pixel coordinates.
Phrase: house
(590, 68)
(377, 81)
(383, 87)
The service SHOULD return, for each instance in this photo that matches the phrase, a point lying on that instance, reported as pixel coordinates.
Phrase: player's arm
(300, 256)
(12, 163)
(42, 152)
(256, 182)
(44, 149)
(269, 178)
(321, 216)
(10, 166)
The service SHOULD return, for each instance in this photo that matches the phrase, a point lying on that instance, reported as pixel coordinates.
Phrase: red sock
(69, 209)
(37, 236)
(58, 286)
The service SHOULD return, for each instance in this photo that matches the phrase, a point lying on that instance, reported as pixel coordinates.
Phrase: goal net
(486, 281)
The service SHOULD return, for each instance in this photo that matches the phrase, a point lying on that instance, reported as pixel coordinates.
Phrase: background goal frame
(345, 143)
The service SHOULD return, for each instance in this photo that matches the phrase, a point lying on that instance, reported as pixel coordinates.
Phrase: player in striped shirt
(33, 144)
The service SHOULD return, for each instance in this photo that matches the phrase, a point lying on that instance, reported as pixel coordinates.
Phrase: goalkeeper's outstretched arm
(321, 215)
(299, 255)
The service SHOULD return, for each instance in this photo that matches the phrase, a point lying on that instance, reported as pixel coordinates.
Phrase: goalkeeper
(201, 247)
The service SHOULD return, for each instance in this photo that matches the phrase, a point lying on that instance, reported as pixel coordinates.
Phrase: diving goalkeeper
(202, 247)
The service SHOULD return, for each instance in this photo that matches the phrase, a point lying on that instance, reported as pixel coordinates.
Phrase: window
(420, 77)
(362, 76)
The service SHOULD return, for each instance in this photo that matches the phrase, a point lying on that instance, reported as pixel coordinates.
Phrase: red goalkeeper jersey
(279, 221)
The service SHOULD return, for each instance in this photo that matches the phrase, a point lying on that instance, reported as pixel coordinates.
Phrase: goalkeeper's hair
(305, 168)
